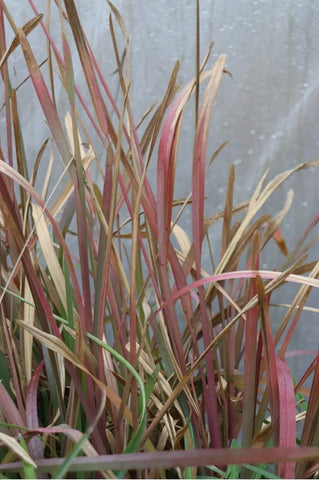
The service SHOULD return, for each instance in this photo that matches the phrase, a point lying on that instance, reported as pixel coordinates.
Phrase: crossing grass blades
(121, 353)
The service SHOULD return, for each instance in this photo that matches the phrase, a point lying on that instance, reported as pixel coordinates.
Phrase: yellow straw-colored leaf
(27, 28)
(56, 345)
(183, 239)
(49, 252)
(12, 443)
(28, 312)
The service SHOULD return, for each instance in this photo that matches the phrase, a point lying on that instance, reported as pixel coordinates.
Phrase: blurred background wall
(268, 111)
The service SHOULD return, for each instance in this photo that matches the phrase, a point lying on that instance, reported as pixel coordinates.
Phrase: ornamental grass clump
(121, 352)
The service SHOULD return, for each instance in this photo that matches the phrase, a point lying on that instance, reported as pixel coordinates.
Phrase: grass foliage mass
(123, 353)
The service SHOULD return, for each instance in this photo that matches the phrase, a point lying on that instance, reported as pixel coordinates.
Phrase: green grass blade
(65, 466)
(260, 471)
(135, 441)
(29, 470)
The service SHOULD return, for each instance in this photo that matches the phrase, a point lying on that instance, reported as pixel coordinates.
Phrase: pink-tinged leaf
(16, 177)
(167, 156)
(287, 425)
(165, 191)
(269, 355)
(87, 65)
(310, 434)
(199, 158)
(174, 458)
(80, 204)
(35, 444)
(61, 63)
(198, 196)
(250, 359)
(211, 279)
(280, 240)
(71, 433)
(9, 410)
(298, 304)
(295, 353)
(88, 60)
(13, 220)
(45, 100)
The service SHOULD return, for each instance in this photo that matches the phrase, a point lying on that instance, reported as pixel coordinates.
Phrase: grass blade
(14, 445)
(137, 437)
(287, 415)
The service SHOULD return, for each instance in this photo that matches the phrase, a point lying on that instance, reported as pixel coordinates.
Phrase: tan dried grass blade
(56, 345)
(49, 253)
(28, 315)
(14, 445)
(27, 28)
(258, 199)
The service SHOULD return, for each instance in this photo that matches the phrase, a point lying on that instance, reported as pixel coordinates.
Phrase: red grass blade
(9, 410)
(87, 66)
(45, 100)
(250, 359)
(35, 444)
(310, 434)
(287, 427)
(166, 165)
(269, 359)
(177, 458)
(198, 196)
(199, 159)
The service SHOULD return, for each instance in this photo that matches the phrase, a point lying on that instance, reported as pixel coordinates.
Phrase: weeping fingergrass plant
(120, 353)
